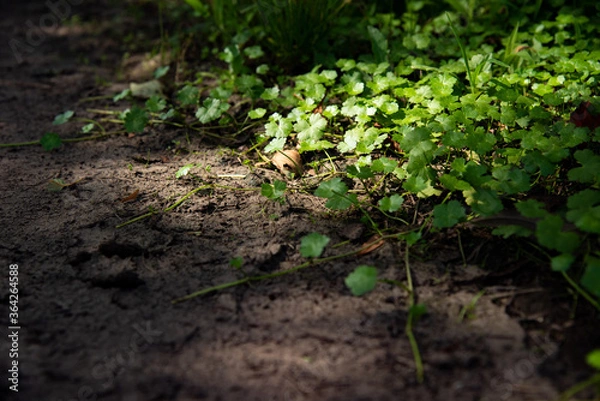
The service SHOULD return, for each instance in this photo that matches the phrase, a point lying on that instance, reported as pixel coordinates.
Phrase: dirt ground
(95, 312)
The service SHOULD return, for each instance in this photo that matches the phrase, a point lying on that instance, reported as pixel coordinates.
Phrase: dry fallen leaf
(288, 161)
(373, 243)
(131, 197)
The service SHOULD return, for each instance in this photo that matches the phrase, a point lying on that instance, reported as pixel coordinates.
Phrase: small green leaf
(589, 172)
(417, 310)
(63, 118)
(335, 190)
(313, 244)
(183, 171)
(362, 280)
(483, 201)
(156, 104)
(257, 113)
(212, 110)
(50, 141)
(593, 359)
(562, 262)
(161, 72)
(329, 189)
(262, 69)
(236, 262)
(583, 210)
(384, 165)
(448, 214)
(87, 128)
(169, 114)
(453, 183)
(273, 191)
(591, 276)
(136, 120)
(362, 172)
(270, 93)
(354, 88)
(549, 233)
(188, 95)
(122, 95)
(254, 52)
(391, 203)
(531, 208)
(341, 202)
(420, 186)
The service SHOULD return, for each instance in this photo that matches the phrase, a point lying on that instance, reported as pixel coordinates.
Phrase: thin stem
(464, 55)
(168, 209)
(462, 250)
(245, 280)
(581, 291)
(569, 393)
(414, 346)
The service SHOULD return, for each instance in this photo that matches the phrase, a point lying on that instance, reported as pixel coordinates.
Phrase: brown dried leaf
(373, 243)
(131, 197)
(288, 161)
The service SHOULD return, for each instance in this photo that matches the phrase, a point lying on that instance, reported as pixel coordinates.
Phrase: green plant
(297, 29)
(593, 359)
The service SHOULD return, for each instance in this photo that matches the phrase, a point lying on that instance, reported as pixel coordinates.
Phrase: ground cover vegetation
(421, 117)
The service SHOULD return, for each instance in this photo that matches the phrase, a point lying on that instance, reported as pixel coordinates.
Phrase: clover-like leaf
(161, 71)
(63, 117)
(86, 129)
(549, 233)
(313, 244)
(362, 172)
(212, 109)
(591, 276)
(329, 189)
(122, 95)
(448, 214)
(391, 203)
(50, 140)
(384, 165)
(335, 191)
(273, 191)
(257, 113)
(483, 201)
(589, 172)
(156, 104)
(236, 262)
(184, 170)
(188, 95)
(531, 208)
(136, 120)
(593, 359)
(362, 280)
(562, 262)
(341, 202)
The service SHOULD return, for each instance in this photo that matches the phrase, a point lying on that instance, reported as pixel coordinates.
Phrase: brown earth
(95, 310)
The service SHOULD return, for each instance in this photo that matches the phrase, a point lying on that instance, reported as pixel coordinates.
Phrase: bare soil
(95, 310)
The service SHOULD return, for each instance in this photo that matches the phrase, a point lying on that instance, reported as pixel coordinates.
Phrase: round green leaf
(593, 359)
(362, 280)
(50, 141)
(313, 244)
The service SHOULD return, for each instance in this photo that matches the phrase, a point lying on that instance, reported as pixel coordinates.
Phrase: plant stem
(408, 330)
(168, 209)
(569, 393)
(581, 291)
(249, 279)
(464, 55)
